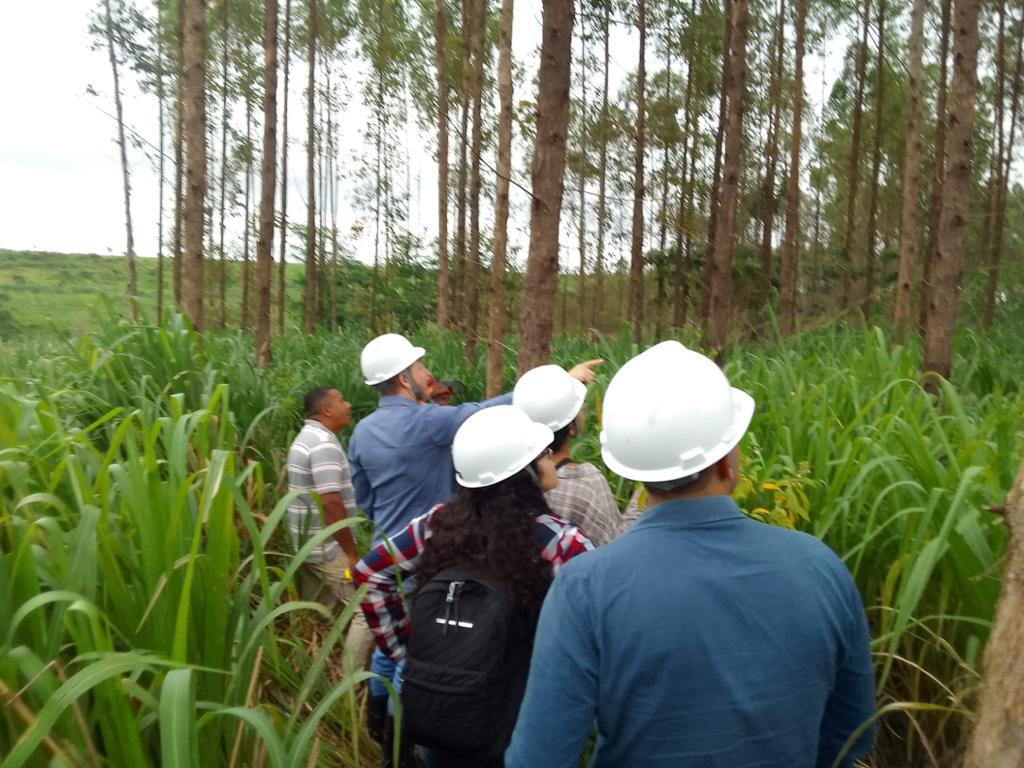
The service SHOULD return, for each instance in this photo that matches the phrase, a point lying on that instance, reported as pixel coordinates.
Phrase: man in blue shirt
(700, 637)
(401, 455)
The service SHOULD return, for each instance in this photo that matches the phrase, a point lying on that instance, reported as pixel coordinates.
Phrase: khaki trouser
(326, 583)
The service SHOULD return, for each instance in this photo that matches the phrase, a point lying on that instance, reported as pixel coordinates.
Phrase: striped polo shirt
(316, 462)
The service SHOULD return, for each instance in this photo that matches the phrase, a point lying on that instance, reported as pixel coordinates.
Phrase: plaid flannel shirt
(396, 558)
(584, 498)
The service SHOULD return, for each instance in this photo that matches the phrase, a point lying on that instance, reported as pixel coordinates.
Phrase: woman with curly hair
(483, 564)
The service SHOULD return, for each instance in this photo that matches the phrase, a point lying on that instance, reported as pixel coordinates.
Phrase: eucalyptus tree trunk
(999, 222)
(581, 293)
(245, 316)
(179, 159)
(876, 165)
(471, 283)
(441, 63)
(853, 263)
(908, 264)
(636, 252)
(772, 154)
(122, 147)
(282, 277)
(161, 111)
(498, 317)
(310, 318)
(602, 178)
(547, 175)
(998, 738)
(268, 181)
(791, 244)
(683, 217)
(947, 271)
(996, 155)
(939, 168)
(194, 93)
(725, 230)
(224, 118)
(716, 175)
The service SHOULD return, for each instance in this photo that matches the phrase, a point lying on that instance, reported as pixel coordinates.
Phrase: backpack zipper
(451, 601)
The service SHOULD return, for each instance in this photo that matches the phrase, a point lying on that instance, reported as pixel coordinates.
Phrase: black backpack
(466, 666)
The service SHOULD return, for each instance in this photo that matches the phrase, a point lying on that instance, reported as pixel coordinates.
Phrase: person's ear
(723, 468)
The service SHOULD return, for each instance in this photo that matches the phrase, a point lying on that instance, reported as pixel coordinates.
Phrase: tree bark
(636, 251)
(245, 316)
(224, 119)
(161, 112)
(998, 738)
(282, 277)
(581, 293)
(602, 176)
(850, 288)
(310, 318)
(998, 226)
(939, 169)
(911, 180)
(947, 271)
(179, 160)
(548, 184)
(683, 214)
(194, 66)
(268, 182)
(876, 165)
(457, 308)
(498, 318)
(772, 155)
(790, 244)
(472, 287)
(122, 147)
(441, 63)
(725, 229)
(716, 175)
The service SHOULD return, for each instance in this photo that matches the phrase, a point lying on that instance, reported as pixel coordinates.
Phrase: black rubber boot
(377, 720)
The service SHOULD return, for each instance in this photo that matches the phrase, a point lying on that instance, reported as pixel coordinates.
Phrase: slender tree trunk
(472, 287)
(947, 271)
(683, 216)
(602, 177)
(133, 287)
(998, 738)
(772, 155)
(996, 156)
(179, 160)
(311, 277)
(548, 184)
(939, 170)
(245, 316)
(497, 308)
(441, 63)
(999, 223)
(161, 96)
(194, 68)
(636, 252)
(376, 209)
(911, 179)
(716, 175)
(876, 166)
(457, 307)
(332, 176)
(581, 292)
(282, 278)
(852, 263)
(224, 118)
(268, 181)
(725, 229)
(790, 243)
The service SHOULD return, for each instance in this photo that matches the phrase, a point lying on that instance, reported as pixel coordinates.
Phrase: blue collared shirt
(699, 638)
(401, 458)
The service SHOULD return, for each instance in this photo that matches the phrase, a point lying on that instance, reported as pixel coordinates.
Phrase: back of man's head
(315, 400)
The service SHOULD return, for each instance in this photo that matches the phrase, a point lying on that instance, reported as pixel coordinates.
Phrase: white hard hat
(387, 356)
(549, 395)
(495, 443)
(670, 413)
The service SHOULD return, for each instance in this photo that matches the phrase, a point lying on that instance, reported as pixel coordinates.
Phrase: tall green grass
(147, 614)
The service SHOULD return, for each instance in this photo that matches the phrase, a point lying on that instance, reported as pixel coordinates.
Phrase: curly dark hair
(492, 530)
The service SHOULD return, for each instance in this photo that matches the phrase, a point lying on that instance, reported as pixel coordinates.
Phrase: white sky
(60, 182)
